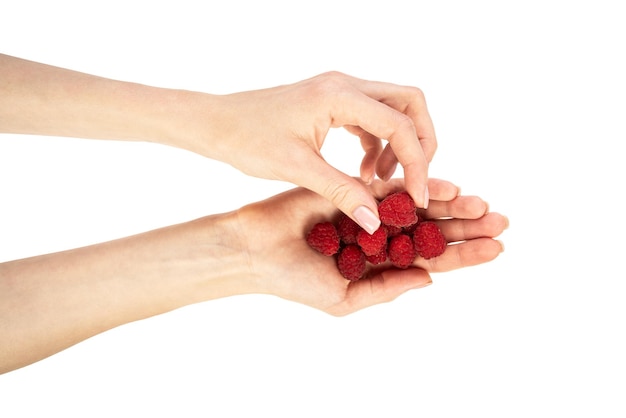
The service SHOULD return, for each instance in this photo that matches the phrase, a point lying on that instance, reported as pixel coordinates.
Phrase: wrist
(215, 259)
(82, 292)
(189, 120)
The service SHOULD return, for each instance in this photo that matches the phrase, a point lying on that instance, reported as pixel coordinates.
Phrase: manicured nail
(366, 219)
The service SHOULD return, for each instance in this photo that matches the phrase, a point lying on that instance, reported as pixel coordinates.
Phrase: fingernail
(501, 245)
(426, 198)
(366, 219)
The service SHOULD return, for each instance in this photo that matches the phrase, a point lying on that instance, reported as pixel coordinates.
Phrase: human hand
(274, 133)
(278, 133)
(260, 248)
(284, 265)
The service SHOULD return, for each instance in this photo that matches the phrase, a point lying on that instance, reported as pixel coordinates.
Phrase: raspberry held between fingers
(398, 209)
(374, 243)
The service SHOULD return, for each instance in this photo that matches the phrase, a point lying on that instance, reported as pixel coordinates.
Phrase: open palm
(284, 265)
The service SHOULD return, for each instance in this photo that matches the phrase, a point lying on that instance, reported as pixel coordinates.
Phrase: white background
(528, 99)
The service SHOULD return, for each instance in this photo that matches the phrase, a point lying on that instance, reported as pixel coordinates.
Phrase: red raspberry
(347, 229)
(379, 258)
(323, 237)
(351, 262)
(409, 230)
(429, 240)
(374, 243)
(398, 209)
(401, 251)
(392, 231)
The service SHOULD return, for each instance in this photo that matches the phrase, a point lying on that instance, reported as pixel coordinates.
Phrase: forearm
(41, 99)
(50, 302)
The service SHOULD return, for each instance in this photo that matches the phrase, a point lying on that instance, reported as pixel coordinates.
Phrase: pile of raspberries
(401, 237)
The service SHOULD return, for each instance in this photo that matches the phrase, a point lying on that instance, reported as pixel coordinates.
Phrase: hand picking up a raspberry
(402, 236)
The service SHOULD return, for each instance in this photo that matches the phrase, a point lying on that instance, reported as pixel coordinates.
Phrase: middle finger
(463, 207)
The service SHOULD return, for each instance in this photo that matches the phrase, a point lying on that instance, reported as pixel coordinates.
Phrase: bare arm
(41, 99)
(50, 302)
(270, 133)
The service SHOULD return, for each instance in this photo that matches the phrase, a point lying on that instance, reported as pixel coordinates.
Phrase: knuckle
(404, 122)
(417, 94)
(338, 193)
(327, 83)
(332, 75)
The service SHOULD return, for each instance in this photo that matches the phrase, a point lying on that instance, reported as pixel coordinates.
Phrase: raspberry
(347, 229)
(379, 258)
(398, 209)
(401, 251)
(409, 230)
(392, 231)
(402, 236)
(429, 240)
(374, 243)
(323, 237)
(351, 262)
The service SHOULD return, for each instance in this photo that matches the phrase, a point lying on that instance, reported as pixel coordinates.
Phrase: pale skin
(270, 133)
(51, 302)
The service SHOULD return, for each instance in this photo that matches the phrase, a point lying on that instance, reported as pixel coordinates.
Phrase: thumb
(383, 287)
(348, 194)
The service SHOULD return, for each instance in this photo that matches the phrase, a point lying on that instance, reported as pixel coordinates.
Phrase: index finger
(396, 127)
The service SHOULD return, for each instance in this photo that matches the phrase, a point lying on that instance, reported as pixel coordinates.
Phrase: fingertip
(366, 219)
(410, 279)
(421, 198)
(507, 222)
(386, 164)
(348, 194)
(367, 178)
(368, 167)
(442, 190)
(387, 174)
(427, 281)
(417, 185)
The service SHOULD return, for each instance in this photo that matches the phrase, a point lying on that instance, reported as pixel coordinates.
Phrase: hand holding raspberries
(401, 238)
(279, 261)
